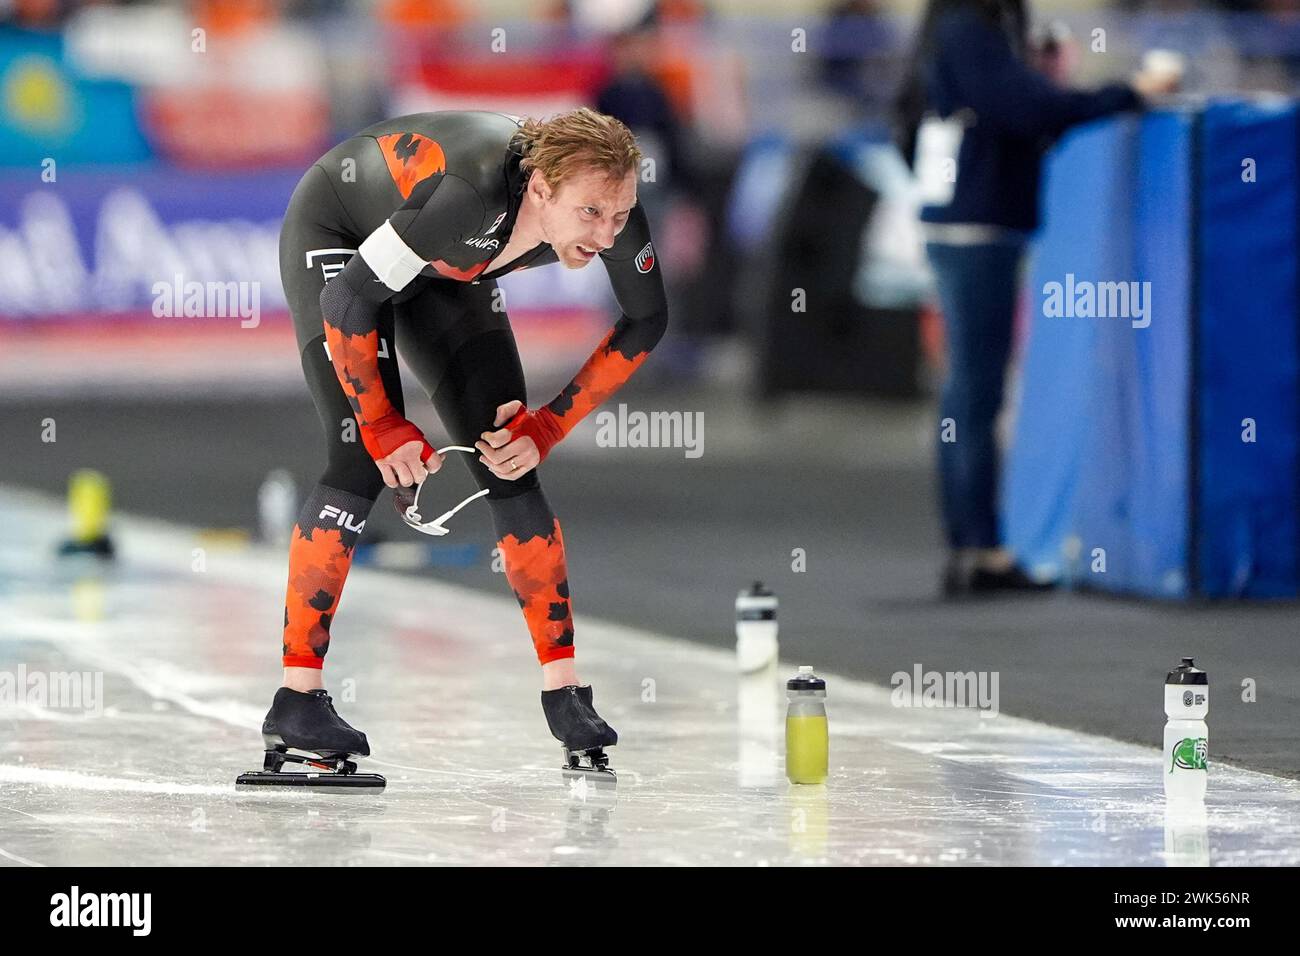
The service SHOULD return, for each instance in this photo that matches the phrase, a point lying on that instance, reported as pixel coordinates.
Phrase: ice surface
(181, 651)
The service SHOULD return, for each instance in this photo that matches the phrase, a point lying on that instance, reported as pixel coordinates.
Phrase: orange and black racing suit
(429, 200)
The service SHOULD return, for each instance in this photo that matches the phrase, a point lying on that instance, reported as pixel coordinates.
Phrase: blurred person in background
(975, 118)
(635, 92)
(35, 14)
(422, 14)
(635, 96)
(857, 39)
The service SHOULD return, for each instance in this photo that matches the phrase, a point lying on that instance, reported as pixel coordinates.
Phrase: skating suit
(430, 199)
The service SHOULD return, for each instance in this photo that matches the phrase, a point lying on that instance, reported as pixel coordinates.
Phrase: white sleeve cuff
(390, 258)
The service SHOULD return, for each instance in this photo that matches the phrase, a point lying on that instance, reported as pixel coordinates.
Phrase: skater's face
(582, 218)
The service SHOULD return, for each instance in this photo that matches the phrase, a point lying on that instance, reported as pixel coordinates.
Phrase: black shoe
(572, 721)
(308, 721)
(1013, 578)
(584, 694)
(962, 579)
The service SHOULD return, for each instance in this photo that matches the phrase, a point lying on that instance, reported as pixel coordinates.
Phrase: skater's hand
(507, 459)
(404, 467)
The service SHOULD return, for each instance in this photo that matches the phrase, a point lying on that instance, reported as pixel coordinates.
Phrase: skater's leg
(331, 520)
(532, 547)
(464, 354)
(314, 245)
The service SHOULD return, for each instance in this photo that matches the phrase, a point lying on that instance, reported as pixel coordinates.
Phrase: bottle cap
(805, 680)
(756, 603)
(1187, 673)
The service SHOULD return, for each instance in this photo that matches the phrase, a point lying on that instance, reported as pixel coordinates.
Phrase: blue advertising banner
(1158, 445)
(1155, 425)
(1055, 462)
(1248, 355)
(101, 240)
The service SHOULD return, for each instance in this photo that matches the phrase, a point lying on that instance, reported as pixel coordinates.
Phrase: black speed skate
(307, 722)
(584, 736)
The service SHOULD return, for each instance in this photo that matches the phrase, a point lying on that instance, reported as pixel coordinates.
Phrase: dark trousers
(978, 287)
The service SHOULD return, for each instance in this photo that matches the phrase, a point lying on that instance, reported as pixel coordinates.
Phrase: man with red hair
(393, 242)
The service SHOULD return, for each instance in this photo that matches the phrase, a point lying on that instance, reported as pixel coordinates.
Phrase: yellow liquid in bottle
(88, 503)
(806, 749)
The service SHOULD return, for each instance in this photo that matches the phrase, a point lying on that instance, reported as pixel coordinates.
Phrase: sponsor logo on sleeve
(645, 259)
(332, 261)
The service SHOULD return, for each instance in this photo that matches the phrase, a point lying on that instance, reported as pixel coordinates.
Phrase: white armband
(391, 259)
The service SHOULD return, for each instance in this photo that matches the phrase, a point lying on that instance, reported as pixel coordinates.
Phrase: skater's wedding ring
(514, 465)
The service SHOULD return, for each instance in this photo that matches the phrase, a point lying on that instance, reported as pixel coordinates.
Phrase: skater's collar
(516, 179)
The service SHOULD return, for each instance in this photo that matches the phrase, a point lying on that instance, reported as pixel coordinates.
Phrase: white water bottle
(1187, 738)
(755, 628)
(277, 507)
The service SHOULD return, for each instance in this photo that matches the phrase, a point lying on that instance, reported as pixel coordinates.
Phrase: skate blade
(590, 787)
(324, 781)
(329, 771)
(587, 772)
(594, 776)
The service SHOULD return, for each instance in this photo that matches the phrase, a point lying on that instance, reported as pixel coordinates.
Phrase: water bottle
(807, 739)
(755, 628)
(277, 507)
(758, 704)
(89, 505)
(1187, 840)
(1187, 702)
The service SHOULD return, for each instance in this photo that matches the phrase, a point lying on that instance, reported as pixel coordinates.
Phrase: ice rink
(177, 645)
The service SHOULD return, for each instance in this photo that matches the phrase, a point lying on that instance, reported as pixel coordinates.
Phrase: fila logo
(495, 224)
(330, 269)
(645, 259)
(383, 348)
(344, 519)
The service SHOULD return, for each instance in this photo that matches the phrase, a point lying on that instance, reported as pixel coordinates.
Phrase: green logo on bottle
(1190, 754)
